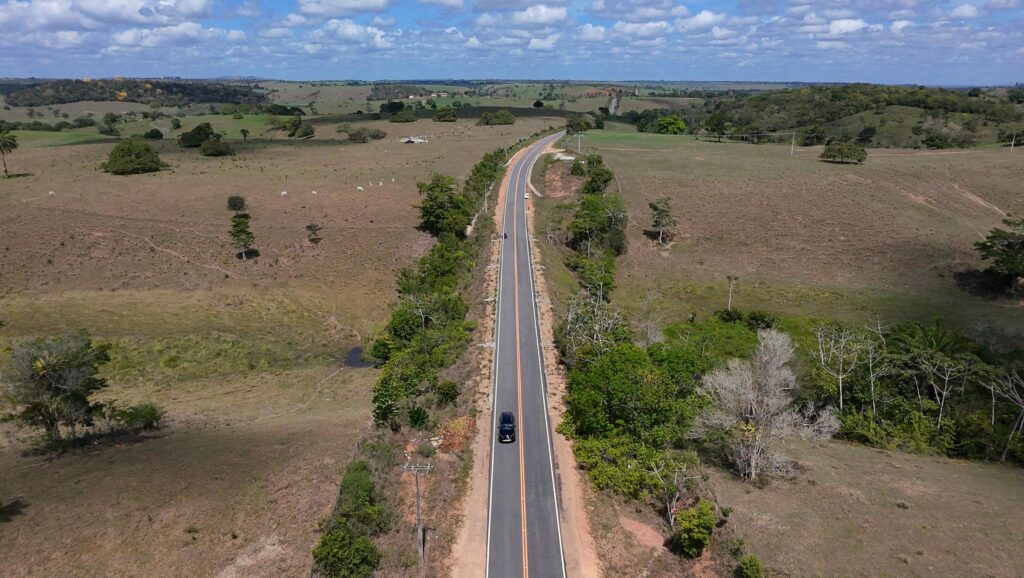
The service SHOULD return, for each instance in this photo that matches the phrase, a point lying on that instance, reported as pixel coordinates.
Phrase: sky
(963, 42)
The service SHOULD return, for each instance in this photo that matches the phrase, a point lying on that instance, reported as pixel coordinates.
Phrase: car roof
(507, 416)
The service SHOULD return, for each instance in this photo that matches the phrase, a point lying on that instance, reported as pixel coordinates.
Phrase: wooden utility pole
(416, 469)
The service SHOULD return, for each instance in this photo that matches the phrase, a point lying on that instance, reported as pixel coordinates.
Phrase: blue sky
(963, 42)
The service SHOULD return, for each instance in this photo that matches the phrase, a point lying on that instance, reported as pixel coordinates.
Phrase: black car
(507, 427)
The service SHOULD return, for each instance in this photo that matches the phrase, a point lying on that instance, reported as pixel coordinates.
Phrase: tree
(340, 555)
(445, 114)
(404, 115)
(236, 203)
(839, 352)
(732, 285)
(241, 234)
(750, 403)
(175, 123)
(444, 210)
(694, 528)
(132, 157)
(503, 116)
(717, 124)
(303, 130)
(577, 123)
(153, 134)
(591, 328)
(1005, 249)
(196, 137)
(538, 104)
(662, 220)
(215, 148)
(8, 144)
(671, 124)
(313, 232)
(1011, 387)
(245, 134)
(51, 380)
(844, 152)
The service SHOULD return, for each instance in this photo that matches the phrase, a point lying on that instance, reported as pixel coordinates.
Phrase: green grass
(35, 139)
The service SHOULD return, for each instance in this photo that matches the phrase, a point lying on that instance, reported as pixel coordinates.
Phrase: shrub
(578, 169)
(236, 203)
(196, 137)
(426, 450)
(362, 135)
(144, 416)
(339, 555)
(304, 130)
(447, 392)
(751, 567)
(418, 417)
(153, 134)
(729, 315)
(175, 123)
(215, 148)
(694, 527)
(404, 115)
(844, 152)
(445, 114)
(761, 320)
(131, 158)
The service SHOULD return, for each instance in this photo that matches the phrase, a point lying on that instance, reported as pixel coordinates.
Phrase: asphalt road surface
(523, 534)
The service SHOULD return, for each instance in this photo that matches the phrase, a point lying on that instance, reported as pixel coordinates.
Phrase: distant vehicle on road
(526, 196)
(507, 427)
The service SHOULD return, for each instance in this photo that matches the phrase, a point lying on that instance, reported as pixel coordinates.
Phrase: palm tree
(245, 133)
(8, 143)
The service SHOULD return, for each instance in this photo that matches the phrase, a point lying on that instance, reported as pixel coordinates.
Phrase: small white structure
(413, 139)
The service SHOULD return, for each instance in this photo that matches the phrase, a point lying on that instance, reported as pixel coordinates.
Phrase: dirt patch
(884, 513)
(644, 534)
(558, 183)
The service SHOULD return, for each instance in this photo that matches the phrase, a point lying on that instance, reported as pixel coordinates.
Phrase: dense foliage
(215, 148)
(428, 330)
(503, 116)
(131, 158)
(164, 92)
(597, 233)
(844, 152)
(1005, 249)
(346, 550)
(694, 527)
(197, 136)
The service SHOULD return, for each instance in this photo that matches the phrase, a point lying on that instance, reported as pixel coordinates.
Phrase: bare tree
(879, 365)
(648, 321)
(944, 375)
(674, 478)
(732, 284)
(752, 404)
(591, 323)
(1010, 386)
(839, 350)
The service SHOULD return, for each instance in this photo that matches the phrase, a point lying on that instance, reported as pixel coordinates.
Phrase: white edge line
(494, 376)
(544, 380)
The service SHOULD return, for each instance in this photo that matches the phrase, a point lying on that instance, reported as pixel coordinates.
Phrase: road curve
(523, 533)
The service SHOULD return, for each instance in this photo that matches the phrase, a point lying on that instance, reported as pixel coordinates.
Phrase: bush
(447, 392)
(694, 527)
(751, 567)
(578, 169)
(144, 416)
(339, 555)
(418, 417)
(844, 152)
(196, 137)
(761, 320)
(362, 135)
(215, 148)
(132, 158)
(304, 130)
(445, 114)
(503, 116)
(236, 203)
(729, 315)
(426, 450)
(175, 123)
(404, 115)
(153, 134)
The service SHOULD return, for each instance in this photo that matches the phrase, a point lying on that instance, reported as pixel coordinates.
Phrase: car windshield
(507, 419)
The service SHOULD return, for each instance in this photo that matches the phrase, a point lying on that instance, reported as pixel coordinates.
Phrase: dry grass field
(246, 357)
(807, 237)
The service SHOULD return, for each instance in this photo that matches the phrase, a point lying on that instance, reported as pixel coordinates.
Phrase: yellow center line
(519, 378)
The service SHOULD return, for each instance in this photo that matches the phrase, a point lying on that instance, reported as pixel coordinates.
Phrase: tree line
(164, 92)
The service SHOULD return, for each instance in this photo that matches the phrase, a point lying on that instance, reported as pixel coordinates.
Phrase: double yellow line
(519, 373)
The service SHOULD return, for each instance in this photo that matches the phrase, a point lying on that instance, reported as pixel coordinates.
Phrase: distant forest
(163, 92)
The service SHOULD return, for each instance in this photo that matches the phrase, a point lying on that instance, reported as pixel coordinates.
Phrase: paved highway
(523, 534)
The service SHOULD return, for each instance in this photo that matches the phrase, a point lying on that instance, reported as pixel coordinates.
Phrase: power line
(416, 469)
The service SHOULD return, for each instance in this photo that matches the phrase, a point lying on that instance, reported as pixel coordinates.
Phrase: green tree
(444, 210)
(694, 527)
(504, 116)
(671, 124)
(132, 157)
(662, 219)
(717, 124)
(577, 123)
(245, 134)
(8, 144)
(844, 152)
(1005, 249)
(153, 134)
(445, 114)
(538, 104)
(404, 115)
(303, 131)
(751, 567)
(313, 232)
(241, 234)
(236, 203)
(340, 555)
(175, 123)
(196, 137)
(215, 148)
(51, 380)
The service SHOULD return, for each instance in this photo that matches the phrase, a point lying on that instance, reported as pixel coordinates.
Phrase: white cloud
(642, 29)
(176, 35)
(897, 26)
(294, 19)
(590, 33)
(382, 21)
(831, 45)
(703, 19)
(352, 33)
(965, 11)
(332, 8)
(719, 32)
(539, 14)
(1004, 4)
(276, 32)
(457, 4)
(543, 44)
(473, 42)
(849, 25)
(487, 20)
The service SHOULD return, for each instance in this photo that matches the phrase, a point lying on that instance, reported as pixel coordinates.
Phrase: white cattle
(314, 192)
(359, 188)
(52, 194)
(284, 193)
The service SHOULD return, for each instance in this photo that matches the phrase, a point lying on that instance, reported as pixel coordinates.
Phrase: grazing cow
(380, 184)
(359, 188)
(314, 192)
(52, 194)
(284, 193)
